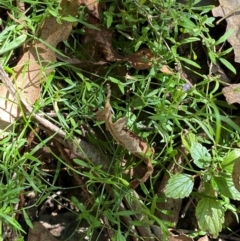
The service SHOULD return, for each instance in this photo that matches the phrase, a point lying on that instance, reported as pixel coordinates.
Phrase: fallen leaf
(165, 69)
(32, 69)
(142, 59)
(232, 93)
(233, 22)
(204, 238)
(39, 233)
(92, 6)
(103, 42)
(126, 138)
(181, 237)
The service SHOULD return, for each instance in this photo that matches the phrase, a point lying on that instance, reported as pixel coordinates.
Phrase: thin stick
(227, 15)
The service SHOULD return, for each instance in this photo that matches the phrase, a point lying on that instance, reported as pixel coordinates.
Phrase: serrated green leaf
(210, 215)
(179, 186)
(227, 188)
(200, 155)
(229, 160)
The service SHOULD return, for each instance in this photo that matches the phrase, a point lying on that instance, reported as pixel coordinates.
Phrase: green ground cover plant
(172, 103)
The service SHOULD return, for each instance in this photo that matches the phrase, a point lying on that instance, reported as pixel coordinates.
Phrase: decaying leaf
(230, 10)
(142, 59)
(236, 174)
(181, 237)
(166, 70)
(126, 138)
(232, 93)
(204, 238)
(92, 6)
(32, 68)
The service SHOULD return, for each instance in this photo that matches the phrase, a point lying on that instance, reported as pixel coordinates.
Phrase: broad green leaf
(210, 215)
(200, 155)
(229, 160)
(225, 36)
(227, 188)
(228, 65)
(179, 186)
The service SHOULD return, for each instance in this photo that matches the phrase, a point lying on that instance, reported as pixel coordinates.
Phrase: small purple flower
(186, 87)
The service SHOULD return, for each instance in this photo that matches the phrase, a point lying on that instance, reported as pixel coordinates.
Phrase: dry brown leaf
(39, 233)
(181, 237)
(32, 69)
(232, 93)
(103, 42)
(166, 70)
(233, 22)
(126, 138)
(236, 174)
(204, 238)
(142, 59)
(92, 6)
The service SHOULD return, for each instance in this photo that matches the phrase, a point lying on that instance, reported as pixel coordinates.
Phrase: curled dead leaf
(126, 138)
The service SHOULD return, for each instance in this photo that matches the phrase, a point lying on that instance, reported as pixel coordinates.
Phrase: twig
(77, 146)
(227, 15)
